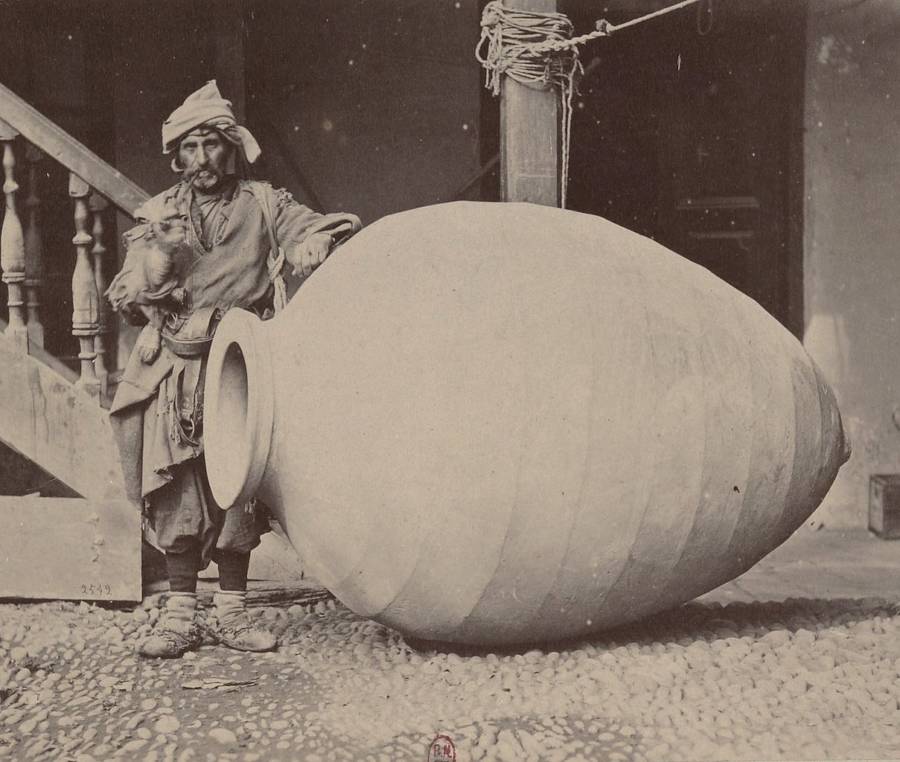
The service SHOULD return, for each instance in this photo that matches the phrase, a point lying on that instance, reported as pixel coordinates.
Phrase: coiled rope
(539, 51)
(515, 43)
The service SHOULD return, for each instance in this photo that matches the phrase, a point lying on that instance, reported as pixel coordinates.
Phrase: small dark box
(884, 505)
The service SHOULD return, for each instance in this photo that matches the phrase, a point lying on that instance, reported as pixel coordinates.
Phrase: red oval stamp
(442, 749)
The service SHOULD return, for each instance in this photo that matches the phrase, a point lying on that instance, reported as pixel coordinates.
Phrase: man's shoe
(168, 643)
(240, 633)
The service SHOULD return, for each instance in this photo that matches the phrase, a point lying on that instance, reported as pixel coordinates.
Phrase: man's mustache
(195, 169)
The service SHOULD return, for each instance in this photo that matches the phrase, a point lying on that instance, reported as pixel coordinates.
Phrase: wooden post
(85, 301)
(529, 134)
(12, 244)
(229, 55)
(98, 205)
(34, 249)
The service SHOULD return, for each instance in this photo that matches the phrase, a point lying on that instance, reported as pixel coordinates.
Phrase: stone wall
(852, 232)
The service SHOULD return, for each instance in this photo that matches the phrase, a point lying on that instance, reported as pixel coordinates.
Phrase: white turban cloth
(207, 108)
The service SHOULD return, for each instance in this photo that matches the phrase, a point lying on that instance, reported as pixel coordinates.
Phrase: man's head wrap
(207, 108)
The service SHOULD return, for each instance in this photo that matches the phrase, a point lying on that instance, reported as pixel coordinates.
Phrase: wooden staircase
(86, 547)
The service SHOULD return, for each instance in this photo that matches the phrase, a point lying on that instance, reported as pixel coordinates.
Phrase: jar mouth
(238, 409)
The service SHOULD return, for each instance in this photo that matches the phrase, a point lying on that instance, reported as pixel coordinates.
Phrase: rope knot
(538, 50)
(490, 17)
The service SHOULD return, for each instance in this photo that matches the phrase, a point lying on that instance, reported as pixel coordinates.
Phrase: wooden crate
(884, 505)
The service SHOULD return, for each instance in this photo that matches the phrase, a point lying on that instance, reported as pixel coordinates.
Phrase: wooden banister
(12, 242)
(85, 299)
(73, 155)
(34, 250)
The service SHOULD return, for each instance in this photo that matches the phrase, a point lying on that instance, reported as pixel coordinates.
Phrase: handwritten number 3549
(96, 589)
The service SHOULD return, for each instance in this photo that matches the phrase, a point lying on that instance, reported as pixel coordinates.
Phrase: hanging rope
(538, 50)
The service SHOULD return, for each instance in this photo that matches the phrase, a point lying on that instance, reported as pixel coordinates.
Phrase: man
(234, 236)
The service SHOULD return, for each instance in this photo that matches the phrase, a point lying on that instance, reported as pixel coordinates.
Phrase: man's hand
(313, 251)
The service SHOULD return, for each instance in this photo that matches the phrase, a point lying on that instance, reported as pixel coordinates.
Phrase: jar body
(501, 423)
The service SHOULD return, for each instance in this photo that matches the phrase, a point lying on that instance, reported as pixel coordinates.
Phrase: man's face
(204, 154)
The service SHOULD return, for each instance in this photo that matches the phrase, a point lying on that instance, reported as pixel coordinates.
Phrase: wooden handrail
(73, 155)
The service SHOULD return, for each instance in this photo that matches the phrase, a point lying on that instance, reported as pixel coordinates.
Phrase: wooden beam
(73, 155)
(228, 23)
(529, 135)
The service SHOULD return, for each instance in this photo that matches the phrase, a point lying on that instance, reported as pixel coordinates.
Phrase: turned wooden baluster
(98, 205)
(85, 300)
(34, 249)
(12, 244)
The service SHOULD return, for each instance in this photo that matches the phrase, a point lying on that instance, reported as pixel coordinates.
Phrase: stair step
(56, 425)
(70, 549)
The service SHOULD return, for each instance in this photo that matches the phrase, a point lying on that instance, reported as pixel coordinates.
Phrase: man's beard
(204, 179)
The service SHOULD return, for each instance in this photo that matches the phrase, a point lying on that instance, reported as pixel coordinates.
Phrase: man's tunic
(157, 407)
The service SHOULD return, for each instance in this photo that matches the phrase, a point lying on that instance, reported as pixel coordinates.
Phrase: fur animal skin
(147, 289)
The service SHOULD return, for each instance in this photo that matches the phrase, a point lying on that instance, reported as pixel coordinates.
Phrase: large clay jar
(500, 423)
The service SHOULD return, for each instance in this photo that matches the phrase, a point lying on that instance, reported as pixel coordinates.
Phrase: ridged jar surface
(500, 423)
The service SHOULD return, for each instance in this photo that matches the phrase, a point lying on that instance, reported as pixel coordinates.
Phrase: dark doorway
(687, 129)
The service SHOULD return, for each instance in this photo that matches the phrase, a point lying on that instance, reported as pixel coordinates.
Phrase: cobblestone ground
(803, 679)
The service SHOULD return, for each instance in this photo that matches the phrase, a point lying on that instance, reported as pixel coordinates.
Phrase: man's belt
(187, 347)
(193, 334)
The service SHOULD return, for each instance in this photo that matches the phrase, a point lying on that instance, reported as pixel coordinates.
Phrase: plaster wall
(852, 233)
(378, 104)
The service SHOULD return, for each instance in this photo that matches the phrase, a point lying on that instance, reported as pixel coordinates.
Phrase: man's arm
(308, 237)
